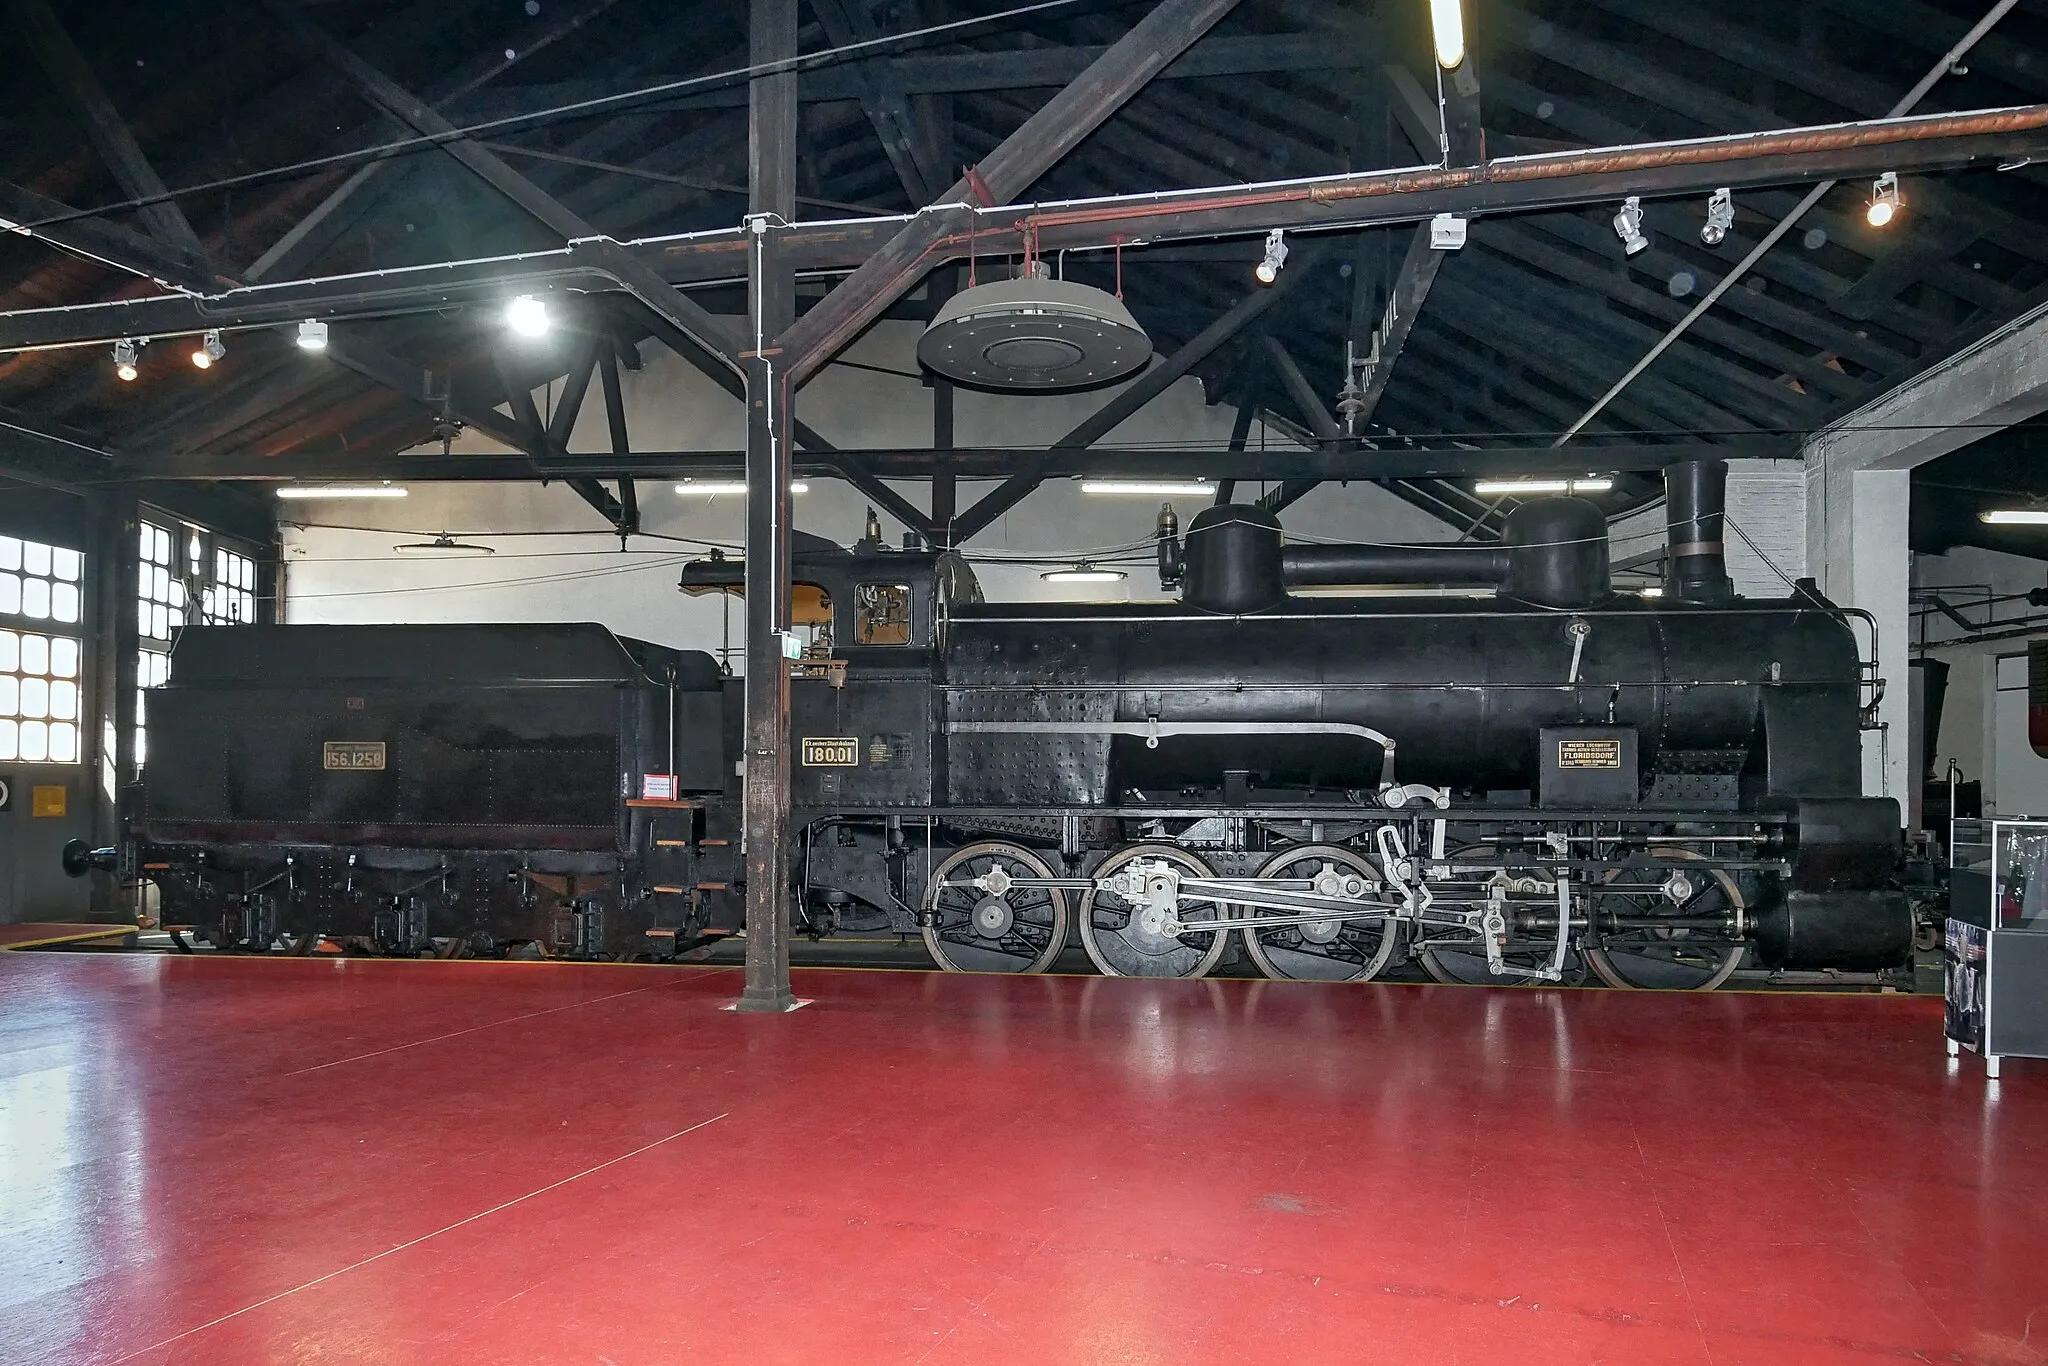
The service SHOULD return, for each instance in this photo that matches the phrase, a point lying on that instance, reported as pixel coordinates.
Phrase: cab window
(810, 616)
(881, 614)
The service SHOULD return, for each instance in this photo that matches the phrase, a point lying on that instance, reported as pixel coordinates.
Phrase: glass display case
(1995, 949)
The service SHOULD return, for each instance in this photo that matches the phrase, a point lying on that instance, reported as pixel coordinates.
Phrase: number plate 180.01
(352, 756)
(831, 751)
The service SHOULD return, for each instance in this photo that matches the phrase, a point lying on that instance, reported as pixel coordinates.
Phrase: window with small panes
(187, 576)
(40, 648)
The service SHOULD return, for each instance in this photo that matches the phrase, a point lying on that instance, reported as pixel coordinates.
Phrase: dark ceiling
(1521, 332)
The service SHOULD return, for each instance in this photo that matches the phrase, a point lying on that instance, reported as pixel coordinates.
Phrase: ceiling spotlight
(208, 351)
(1151, 488)
(1447, 24)
(1720, 216)
(527, 316)
(1084, 572)
(1276, 256)
(1885, 200)
(303, 492)
(1628, 225)
(2014, 517)
(709, 487)
(124, 360)
(445, 547)
(312, 335)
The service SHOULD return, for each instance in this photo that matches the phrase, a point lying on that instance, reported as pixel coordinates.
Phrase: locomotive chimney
(1695, 506)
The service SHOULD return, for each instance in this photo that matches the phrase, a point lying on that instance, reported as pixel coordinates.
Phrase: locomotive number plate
(831, 751)
(1589, 754)
(352, 756)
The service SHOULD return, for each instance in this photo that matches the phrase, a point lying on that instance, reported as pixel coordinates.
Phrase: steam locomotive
(1547, 782)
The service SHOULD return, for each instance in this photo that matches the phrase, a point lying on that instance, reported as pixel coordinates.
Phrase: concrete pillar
(1857, 547)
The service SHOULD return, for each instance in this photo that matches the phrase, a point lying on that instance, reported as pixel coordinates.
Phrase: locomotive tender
(1546, 782)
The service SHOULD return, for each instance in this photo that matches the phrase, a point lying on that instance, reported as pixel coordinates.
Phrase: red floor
(216, 1161)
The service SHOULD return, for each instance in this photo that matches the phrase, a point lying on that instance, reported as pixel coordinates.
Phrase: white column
(1857, 547)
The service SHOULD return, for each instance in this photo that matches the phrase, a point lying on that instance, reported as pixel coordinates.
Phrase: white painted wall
(554, 560)
(1767, 526)
(1984, 722)
(1766, 535)
(2018, 776)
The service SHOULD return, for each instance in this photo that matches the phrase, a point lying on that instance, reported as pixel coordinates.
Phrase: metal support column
(116, 642)
(771, 304)
(945, 490)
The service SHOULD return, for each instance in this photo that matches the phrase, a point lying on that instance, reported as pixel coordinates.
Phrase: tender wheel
(1323, 950)
(1462, 961)
(1124, 937)
(994, 927)
(1666, 960)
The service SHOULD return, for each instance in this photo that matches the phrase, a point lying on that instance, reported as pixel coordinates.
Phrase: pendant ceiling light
(1036, 334)
(446, 547)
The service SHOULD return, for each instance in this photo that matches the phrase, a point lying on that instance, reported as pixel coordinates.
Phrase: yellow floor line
(104, 932)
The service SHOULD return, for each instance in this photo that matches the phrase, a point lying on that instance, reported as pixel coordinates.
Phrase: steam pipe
(1554, 555)
(1310, 565)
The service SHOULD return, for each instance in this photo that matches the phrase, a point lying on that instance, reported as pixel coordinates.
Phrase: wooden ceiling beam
(1078, 110)
(73, 77)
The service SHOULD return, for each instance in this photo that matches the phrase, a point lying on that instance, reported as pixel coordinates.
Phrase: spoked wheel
(1125, 938)
(996, 926)
(1322, 950)
(1677, 959)
(1462, 961)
